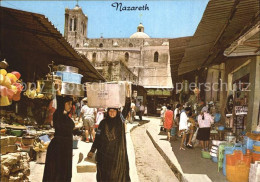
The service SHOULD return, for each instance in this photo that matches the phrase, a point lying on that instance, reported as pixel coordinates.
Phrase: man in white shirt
(89, 115)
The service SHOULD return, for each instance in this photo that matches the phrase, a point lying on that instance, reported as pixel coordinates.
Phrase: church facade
(140, 59)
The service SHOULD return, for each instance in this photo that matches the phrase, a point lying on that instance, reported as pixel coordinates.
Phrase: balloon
(10, 94)
(3, 72)
(17, 74)
(12, 76)
(4, 101)
(3, 90)
(17, 96)
(2, 78)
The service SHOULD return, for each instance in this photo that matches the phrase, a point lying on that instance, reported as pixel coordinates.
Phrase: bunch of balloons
(10, 87)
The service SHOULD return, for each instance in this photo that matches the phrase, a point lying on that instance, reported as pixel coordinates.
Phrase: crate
(41, 157)
(70, 77)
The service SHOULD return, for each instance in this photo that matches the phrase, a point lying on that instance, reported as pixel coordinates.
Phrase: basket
(214, 159)
(256, 148)
(173, 131)
(28, 141)
(238, 173)
(17, 133)
(205, 155)
(75, 144)
(255, 156)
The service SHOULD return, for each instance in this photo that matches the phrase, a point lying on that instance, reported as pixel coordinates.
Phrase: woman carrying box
(110, 143)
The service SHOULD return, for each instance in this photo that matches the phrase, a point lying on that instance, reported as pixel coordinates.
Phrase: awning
(29, 42)
(177, 49)
(222, 23)
(247, 45)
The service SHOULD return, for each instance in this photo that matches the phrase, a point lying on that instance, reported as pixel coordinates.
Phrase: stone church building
(140, 59)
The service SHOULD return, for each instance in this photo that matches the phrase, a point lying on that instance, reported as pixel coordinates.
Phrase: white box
(107, 94)
(41, 157)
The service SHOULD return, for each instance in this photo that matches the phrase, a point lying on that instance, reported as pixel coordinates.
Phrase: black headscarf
(61, 100)
(112, 122)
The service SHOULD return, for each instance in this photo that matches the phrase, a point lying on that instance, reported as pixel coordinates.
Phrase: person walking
(163, 110)
(89, 115)
(141, 111)
(58, 164)
(205, 120)
(110, 144)
(168, 121)
(183, 127)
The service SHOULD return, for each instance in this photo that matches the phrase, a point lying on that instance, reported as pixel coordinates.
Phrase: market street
(151, 165)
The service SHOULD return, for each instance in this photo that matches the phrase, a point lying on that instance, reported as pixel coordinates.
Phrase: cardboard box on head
(108, 94)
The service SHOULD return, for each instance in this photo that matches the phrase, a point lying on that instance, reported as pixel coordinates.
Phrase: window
(94, 56)
(126, 57)
(131, 45)
(77, 45)
(100, 45)
(75, 24)
(156, 56)
(70, 24)
(139, 30)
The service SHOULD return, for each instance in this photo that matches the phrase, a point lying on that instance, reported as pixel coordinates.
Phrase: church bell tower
(75, 29)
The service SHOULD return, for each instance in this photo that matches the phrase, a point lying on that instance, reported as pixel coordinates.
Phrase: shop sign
(158, 92)
(240, 110)
(167, 92)
(150, 92)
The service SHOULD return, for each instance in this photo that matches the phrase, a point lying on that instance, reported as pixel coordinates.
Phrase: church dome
(139, 35)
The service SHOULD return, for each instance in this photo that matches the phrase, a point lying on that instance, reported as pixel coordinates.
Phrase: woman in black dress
(58, 165)
(110, 143)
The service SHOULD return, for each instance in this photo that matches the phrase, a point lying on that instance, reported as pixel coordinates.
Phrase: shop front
(32, 53)
(156, 98)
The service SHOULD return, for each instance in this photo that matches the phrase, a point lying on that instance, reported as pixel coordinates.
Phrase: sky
(165, 18)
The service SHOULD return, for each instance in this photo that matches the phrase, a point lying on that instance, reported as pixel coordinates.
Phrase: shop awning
(247, 45)
(177, 49)
(29, 42)
(222, 23)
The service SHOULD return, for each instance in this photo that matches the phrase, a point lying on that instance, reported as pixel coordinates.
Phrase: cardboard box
(41, 157)
(12, 148)
(4, 141)
(108, 94)
(12, 140)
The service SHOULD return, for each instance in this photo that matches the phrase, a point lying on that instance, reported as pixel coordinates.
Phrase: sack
(194, 136)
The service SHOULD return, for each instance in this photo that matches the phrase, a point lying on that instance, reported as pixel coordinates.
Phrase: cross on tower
(141, 15)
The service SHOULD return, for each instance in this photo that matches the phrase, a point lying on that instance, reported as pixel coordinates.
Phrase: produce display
(40, 145)
(10, 87)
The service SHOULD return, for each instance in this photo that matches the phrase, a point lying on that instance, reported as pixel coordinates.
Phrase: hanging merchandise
(10, 87)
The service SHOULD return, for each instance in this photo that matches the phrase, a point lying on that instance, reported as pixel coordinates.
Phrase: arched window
(131, 45)
(70, 24)
(94, 56)
(75, 24)
(126, 57)
(100, 45)
(77, 45)
(156, 56)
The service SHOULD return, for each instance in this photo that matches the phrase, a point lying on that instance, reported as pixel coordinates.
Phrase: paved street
(150, 164)
(151, 158)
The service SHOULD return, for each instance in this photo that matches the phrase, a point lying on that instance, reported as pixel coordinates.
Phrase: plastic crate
(70, 77)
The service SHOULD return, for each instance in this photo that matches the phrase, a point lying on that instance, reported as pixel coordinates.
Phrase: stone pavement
(188, 165)
(83, 147)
